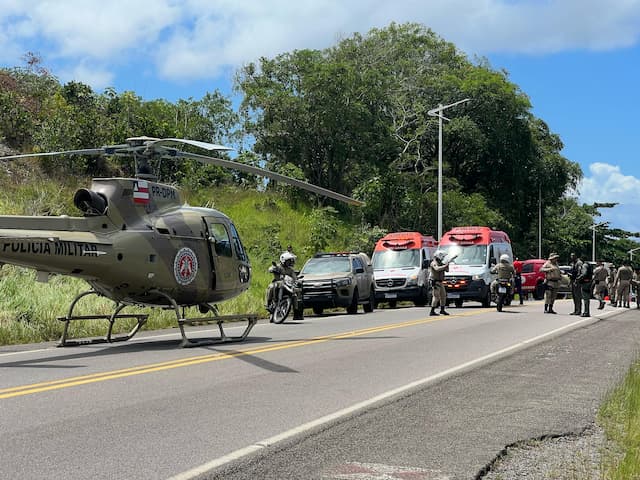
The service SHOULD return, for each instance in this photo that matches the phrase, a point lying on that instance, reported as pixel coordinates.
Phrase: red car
(533, 278)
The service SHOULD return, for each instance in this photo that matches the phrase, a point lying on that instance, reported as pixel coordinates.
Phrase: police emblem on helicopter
(185, 266)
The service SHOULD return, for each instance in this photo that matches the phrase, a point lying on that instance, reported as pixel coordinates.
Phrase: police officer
(576, 288)
(635, 283)
(611, 284)
(517, 264)
(623, 282)
(600, 275)
(437, 268)
(553, 274)
(505, 271)
(584, 280)
(287, 261)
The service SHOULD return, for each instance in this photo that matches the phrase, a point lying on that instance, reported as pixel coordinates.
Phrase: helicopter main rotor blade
(269, 174)
(89, 151)
(195, 143)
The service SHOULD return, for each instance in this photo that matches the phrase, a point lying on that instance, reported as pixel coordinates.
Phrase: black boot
(433, 312)
(551, 310)
(546, 308)
(601, 306)
(442, 312)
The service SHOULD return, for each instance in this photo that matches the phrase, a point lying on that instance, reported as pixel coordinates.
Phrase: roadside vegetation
(620, 417)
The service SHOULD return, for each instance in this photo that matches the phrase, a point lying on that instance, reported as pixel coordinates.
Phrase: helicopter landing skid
(109, 337)
(251, 318)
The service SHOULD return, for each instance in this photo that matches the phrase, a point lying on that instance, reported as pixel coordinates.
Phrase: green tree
(354, 118)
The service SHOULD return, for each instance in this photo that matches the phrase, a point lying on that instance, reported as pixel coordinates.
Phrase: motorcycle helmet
(439, 255)
(504, 258)
(288, 259)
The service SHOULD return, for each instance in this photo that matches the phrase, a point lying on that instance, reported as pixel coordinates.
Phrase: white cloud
(606, 183)
(201, 38)
(87, 30)
(98, 78)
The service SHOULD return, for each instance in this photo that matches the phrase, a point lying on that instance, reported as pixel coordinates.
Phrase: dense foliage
(352, 118)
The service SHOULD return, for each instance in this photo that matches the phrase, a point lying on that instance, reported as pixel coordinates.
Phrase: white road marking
(258, 446)
(376, 471)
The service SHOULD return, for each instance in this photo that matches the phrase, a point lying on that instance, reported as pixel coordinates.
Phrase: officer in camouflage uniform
(600, 275)
(623, 283)
(553, 274)
(505, 271)
(437, 268)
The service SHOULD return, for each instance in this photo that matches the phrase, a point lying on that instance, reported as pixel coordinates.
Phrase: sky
(578, 61)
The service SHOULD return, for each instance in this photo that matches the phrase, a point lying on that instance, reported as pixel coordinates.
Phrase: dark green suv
(339, 279)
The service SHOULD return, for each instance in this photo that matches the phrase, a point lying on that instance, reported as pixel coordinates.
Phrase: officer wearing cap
(553, 274)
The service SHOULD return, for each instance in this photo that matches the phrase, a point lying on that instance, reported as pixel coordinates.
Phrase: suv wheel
(538, 293)
(353, 308)
(370, 305)
(318, 310)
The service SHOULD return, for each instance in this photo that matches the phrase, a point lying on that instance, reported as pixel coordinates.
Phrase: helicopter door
(221, 255)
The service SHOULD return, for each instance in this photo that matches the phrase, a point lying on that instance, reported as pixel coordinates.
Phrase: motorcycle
(283, 293)
(504, 294)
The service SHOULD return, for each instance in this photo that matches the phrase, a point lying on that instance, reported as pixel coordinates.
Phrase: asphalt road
(395, 393)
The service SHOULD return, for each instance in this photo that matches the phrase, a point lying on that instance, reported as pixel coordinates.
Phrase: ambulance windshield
(396, 259)
(466, 254)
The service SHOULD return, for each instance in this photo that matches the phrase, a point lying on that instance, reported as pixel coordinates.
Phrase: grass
(620, 417)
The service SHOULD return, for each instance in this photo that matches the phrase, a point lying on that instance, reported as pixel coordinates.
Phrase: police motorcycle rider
(437, 269)
(285, 267)
(505, 271)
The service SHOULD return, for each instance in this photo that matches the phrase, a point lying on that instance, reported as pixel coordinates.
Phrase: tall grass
(266, 222)
(620, 417)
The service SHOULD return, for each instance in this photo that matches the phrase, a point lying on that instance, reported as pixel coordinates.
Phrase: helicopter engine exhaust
(90, 203)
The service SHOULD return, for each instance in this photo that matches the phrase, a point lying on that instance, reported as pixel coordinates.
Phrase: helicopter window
(220, 239)
(242, 255)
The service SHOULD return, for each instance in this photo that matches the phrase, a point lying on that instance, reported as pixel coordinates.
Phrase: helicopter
(138, 244)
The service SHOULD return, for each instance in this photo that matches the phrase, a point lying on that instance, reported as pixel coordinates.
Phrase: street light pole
(593, 250)
(437, 112)
(630, 252)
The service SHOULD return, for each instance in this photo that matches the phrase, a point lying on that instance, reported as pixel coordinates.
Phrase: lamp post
(630, 252)
(437, 112)
(593, 228)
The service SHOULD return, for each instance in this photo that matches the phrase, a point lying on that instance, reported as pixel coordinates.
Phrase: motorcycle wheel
(499, 302)
(283, 307)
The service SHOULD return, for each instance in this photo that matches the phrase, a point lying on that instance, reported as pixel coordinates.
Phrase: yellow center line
(184, 362)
